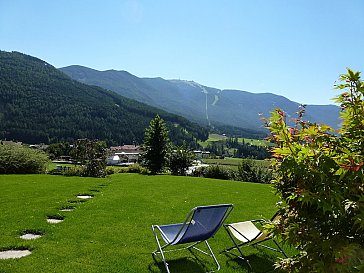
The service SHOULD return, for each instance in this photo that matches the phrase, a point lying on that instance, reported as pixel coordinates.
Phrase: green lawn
(111, 232)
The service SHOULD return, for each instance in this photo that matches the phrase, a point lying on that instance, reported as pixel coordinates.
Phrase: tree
(180, 159)
(56, 150)
(319, 176)
(156, 143)
(19, 159)
(91, 154)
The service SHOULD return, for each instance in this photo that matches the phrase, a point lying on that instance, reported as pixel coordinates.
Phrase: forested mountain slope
(205, 105)
(39, 103)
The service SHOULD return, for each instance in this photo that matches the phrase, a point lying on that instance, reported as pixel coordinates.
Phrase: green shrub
(19, 159)
(179, 160)
(218, 172)
(134, 168)
(73, 171)
(110, 170)
(123, 170)
(91, 154)
(249, 171)
(319, 176)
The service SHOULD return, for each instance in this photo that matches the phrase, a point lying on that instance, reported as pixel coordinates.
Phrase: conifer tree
(156, 143)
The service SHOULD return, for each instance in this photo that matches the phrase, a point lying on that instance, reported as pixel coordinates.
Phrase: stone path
(30, 236)
(54, 220)
(14, 254)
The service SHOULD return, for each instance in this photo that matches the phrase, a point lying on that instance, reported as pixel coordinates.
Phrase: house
(124, 155)
(201, 154)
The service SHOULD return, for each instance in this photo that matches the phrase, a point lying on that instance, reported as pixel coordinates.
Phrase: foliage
(91, 154)
(156, 144)
(56, 150)
(233, 147)
(75, 171)
(217, 172)
(21, 159)
(249, 171)
(319, 176)
(134, 168)
(179, 159)
(40, 104)
(239, 132)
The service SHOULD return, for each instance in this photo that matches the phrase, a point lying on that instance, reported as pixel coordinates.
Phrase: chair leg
(280, 248)
(160, 250)
(236, 246)
(213, 256)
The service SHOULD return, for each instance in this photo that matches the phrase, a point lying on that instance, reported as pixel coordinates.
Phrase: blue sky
(294, 48)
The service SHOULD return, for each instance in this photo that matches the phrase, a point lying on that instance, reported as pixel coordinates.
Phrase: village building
(124, 155)
(201, 154)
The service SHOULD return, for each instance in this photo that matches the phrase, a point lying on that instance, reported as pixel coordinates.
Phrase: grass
(111, 232)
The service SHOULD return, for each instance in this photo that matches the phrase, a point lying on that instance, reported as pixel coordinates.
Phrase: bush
(135, 168)
(249, 171)
(110, 170)
(19, 159)
(179, 160)
(91, 154)
(73, 171)
(218, 172)
(319, 176)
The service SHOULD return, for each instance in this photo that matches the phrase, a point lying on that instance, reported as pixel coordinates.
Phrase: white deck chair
(250, 233)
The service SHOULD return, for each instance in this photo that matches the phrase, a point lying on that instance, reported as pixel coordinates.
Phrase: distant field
(233, 162)
(111, 232)
(256, 142)
(217, 137)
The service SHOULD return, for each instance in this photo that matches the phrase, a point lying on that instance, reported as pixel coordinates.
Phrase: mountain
(39, 103)
(205, 105)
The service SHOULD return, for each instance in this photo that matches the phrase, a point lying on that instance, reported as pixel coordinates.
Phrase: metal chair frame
(184, 230)
(251, 242)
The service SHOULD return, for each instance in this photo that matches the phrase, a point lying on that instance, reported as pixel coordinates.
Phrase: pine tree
(156, 142)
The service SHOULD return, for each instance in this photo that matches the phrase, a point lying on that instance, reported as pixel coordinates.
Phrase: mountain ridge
(39, 103)
(206, 105)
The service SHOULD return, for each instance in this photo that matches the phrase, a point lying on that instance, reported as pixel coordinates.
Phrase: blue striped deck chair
(200, 225)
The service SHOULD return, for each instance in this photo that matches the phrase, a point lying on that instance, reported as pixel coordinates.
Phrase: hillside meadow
(112, 231)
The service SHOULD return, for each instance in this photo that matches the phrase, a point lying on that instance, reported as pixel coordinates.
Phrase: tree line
(40, 104)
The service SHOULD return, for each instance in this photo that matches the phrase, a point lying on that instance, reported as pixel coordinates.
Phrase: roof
(125, 148)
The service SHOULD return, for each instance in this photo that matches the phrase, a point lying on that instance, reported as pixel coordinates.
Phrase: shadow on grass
(259, 263)
(181, 265)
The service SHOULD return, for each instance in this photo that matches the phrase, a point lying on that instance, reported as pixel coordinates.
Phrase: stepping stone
(84, 196)
(30, 236)
(76, 201)
(14, 254)
(67, 209)
(54, 220)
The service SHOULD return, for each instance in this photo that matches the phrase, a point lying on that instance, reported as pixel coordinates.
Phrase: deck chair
(250, 233)
(199, 226)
